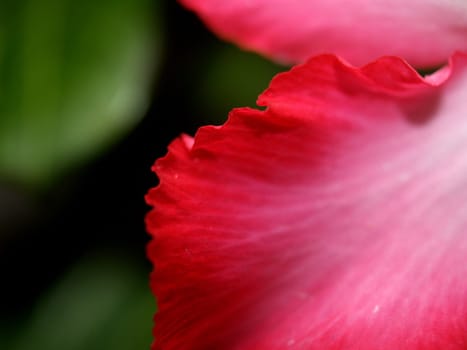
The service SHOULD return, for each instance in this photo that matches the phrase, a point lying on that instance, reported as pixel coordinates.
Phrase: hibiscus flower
(334, 218)
(424, 32)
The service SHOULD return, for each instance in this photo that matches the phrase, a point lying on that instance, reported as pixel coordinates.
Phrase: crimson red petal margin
(334, 219)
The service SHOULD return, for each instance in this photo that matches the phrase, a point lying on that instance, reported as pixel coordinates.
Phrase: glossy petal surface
(334, 219)
(424, 32)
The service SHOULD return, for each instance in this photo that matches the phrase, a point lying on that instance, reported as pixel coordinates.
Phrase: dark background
(74, 273)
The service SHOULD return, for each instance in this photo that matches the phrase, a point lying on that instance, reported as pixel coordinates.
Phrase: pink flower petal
(424, 32)
(334, 219)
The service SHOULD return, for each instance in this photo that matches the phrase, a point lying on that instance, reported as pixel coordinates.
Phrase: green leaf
(74, 77)
(102, 303)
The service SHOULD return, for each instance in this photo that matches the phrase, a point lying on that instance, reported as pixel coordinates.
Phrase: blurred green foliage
(102, 303)
(229, 77)
(74, 76)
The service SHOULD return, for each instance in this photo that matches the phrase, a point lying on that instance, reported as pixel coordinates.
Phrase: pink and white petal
(424, 32)
(334, 219)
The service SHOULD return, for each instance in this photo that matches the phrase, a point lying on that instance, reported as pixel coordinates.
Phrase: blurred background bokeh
(91, 93)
